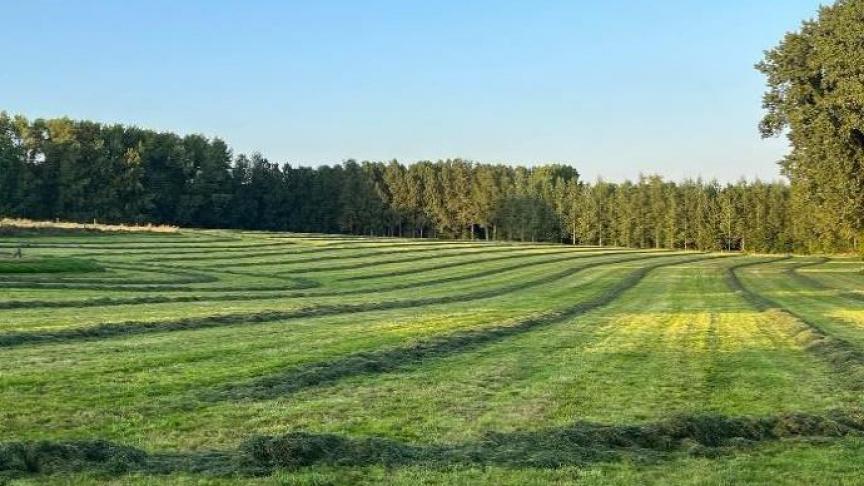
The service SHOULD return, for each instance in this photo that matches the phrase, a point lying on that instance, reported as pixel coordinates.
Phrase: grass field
(215, 357)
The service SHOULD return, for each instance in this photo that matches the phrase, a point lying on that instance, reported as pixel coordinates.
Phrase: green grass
(220, 357)
(48, 265)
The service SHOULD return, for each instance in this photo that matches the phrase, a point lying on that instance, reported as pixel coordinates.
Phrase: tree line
(83, 171)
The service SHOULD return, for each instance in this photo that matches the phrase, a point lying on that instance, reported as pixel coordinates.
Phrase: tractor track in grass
(399, 358)
(110, 330)
(843, 356)
(159, 299)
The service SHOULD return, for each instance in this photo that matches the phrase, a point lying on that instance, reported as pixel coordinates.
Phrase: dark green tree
(816, 96)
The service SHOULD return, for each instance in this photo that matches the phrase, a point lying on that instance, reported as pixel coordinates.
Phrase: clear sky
(613, 87)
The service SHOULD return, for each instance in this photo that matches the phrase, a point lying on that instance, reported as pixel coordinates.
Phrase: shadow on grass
(581, 443)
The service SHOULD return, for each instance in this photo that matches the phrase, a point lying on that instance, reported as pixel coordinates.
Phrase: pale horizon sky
(614, 88)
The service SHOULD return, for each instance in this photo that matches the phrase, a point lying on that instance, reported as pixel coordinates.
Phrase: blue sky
(614, 87)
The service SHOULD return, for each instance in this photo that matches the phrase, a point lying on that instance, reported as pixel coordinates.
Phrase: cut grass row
(535, 448)
(649, 366)
(584, 444)
(77, 384)
(76, 330)
(542, 349)
(389, 360)
(847, 357)
(471, 270)
(28, 266)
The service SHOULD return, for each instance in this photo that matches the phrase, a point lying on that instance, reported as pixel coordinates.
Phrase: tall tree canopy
(81, 170)
(816, 95)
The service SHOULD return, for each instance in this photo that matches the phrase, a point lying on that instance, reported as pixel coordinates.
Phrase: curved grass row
(476, 269)
(108, 330)
(842, 354)
(335, 359)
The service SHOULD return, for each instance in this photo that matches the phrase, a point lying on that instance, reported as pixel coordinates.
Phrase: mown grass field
(226, 357)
